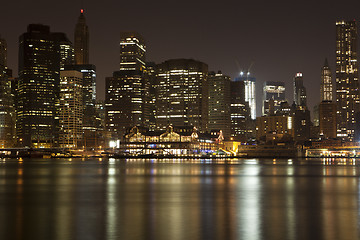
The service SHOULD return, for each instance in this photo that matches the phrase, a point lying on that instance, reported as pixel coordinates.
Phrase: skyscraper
(273, 91)
(182, 94)
(327, 108)
(66, 50)
(219, 103)
(347, 84)
(326, 88)
(127, 90)
(299, 90)
(81, 40)
(71, 109)
(7, 127)
(239, 112)
(38, 87)
(250, 96)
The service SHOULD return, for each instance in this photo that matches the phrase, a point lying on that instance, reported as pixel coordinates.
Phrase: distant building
(151, 98)
(273, 91)
(219, 103)
(128, 89)
(301, 124)
(326, 88)
(66, 50)
(38, 87)
(347, 79)
(274, 128)
(71, 109)
(327, 119)
(241, 126)
(182, 94)
(81, 40)
(299, 90)
(250, 96)
(327, 108)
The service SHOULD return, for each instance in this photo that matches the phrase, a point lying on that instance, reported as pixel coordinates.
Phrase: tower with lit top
(81, 40)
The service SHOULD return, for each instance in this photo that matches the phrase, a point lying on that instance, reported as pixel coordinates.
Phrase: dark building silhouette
(299, 90)
(81, 44)
(38, 87)
(347, 82)
(327, 119)
(182, 94)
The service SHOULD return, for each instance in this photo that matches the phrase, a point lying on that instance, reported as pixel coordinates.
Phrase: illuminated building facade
(219, 103)
(71, 109)
(326, 108)
(132, 52)
(347, 84)
(239, 112)
(326, 88)
(66, 50)
(128, 89)
(182, 94)
(89, 99)
(274, 91)
(274, 128)
(38, 87)
(81, 44)
(7, 130)
(250, 96)
(299, 90)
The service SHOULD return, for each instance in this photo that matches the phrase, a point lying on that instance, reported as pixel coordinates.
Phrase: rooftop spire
(326, 63)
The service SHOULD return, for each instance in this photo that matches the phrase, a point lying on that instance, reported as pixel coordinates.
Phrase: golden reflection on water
(179, 199)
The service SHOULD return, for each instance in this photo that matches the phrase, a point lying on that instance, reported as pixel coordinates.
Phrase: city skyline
(279, 47)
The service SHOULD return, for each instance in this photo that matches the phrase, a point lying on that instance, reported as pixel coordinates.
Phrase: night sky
(281, 38)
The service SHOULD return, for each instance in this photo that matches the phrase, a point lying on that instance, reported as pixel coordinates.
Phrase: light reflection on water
(179, 199)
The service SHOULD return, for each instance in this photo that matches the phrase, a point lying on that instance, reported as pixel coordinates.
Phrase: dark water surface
(179, 199)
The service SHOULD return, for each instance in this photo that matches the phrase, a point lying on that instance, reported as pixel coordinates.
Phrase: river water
(179, 199)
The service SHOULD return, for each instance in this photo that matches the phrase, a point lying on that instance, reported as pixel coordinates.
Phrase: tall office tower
(347, 84)
(38, 87)
(326, 108)
(219, 103)
(81, 44)
(182, 94)
(89, 99)
(299, 90)
(239, 112)
(326, 89)
(127, 90)
(151, 80)
(274, 91)
(71, 109)
(66, 50)
(132, 52)
(249, 92)
(6, 102)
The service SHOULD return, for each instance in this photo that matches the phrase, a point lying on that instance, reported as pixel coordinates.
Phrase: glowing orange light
(82, 10)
